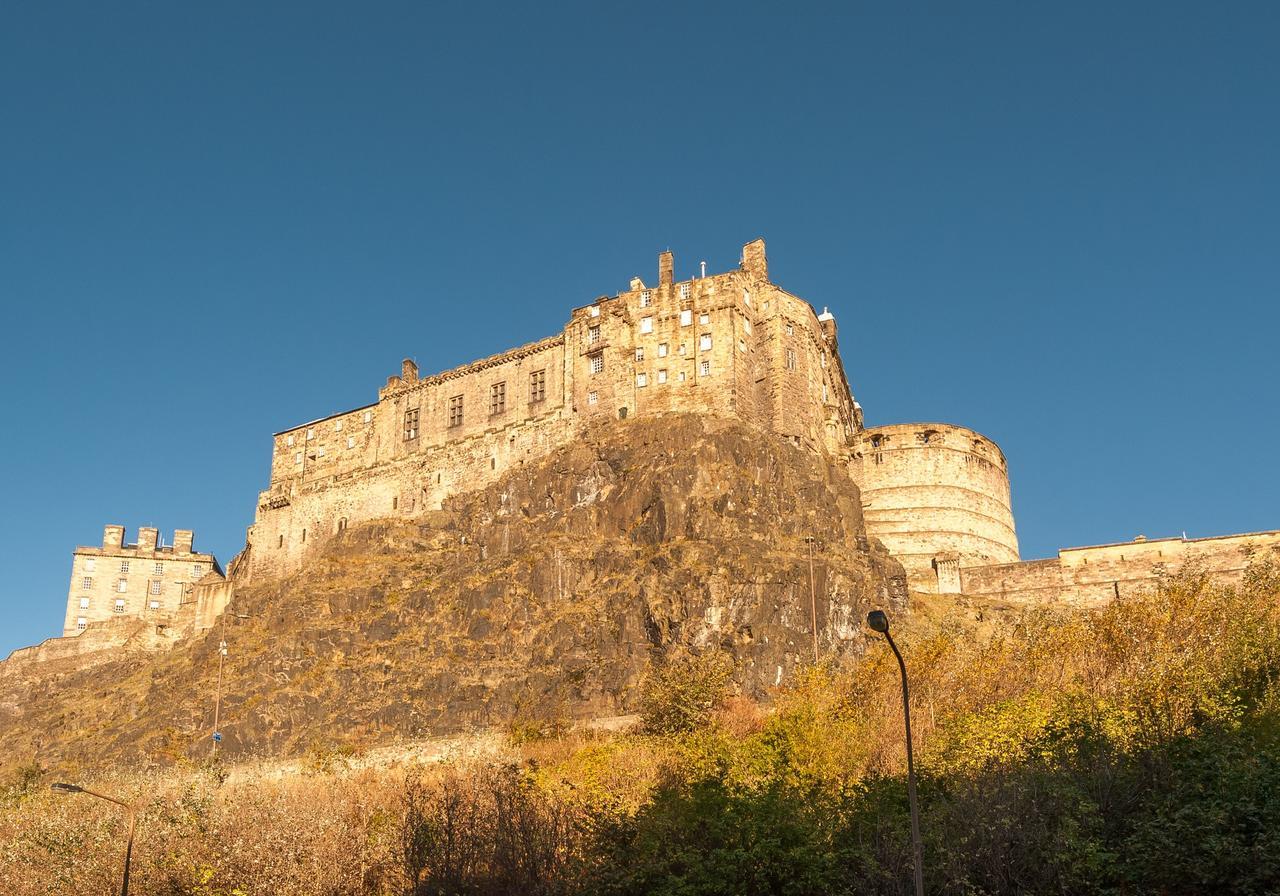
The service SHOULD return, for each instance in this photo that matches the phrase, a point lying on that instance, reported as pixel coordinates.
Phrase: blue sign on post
(217, 737)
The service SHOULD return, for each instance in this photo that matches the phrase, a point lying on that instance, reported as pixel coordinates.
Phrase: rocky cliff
(542, 598)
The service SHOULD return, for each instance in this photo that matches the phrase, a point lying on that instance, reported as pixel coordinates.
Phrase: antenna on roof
(704, 270)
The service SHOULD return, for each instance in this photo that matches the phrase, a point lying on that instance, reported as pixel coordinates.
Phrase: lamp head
(878, 621)
(62, 787)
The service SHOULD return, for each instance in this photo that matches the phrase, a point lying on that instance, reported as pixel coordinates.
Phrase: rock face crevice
(542, 597)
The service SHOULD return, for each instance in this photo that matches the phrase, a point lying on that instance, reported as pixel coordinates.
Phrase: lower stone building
(146, 579)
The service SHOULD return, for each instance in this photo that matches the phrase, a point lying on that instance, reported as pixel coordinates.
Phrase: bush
(680, 694)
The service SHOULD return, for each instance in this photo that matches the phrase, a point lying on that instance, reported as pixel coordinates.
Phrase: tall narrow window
(593, 397)
(81, 623)
(498, 398)
(155, 586)
(684, 290)
(124, 567)
(662, 349)
(86, 583)
(640, 354)
(455, 411)
(705, 368)
(120, 605)
(537, 386)
(686, 317)
(645, 299)
(597, 363)
(642, 380)
(593, 334)
(411, 424)
(704, 342)
(646, 325)
(159, 569)
(662, 376)
(791, 359)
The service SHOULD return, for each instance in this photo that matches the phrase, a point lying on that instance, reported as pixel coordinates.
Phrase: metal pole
(916, 847)
(813, 601)
(217, 700)
(128, 850)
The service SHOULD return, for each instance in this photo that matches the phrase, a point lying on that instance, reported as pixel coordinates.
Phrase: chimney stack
(182, 541)
(753, 259)
(112, 536)
(666, 268)
(147, 538)
(409, 371)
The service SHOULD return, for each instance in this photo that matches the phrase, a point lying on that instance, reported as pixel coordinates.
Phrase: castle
(730, 344)
(733, 344)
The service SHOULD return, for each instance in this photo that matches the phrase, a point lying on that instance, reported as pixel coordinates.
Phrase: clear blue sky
(1054, 223)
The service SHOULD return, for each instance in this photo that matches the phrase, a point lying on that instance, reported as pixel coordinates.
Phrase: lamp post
(879, 622)
(62, 787)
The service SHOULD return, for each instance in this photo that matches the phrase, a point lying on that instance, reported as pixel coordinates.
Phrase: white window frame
(646, 299)
(642, 380)
(662, 377)
(289, 440)
(593, 334)
(684, 290)
(84, 603)
(124, 567)
(82, 623)
(662, 349)
(351, 441)
(86, 583)
(122, 586)
(704, 369)
(154, 604)
(640, 354)
(704, 318)
(119, 605)
(368, 416)
(597, 364)
(686, 317)
(90, 563)
(593, 398)
(704, 342)
(646, 325)
(337, 427)
(159, 568)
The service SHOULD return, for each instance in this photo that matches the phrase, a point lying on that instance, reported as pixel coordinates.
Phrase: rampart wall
(1093, 575)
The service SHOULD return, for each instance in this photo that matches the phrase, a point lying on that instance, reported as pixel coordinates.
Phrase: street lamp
(62, 787)
(879, 622)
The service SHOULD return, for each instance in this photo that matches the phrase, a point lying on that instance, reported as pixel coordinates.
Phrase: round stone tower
(937, 495)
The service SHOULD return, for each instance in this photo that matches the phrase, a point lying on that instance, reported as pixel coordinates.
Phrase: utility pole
(217, 699)
(813, 601)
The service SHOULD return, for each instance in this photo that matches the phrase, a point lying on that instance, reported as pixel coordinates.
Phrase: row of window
(497, 403)
(197, 569)
(119, 607)
(642, 378)
(337, 427)
(154, 586)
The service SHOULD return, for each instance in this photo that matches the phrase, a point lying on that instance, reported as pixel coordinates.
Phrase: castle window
(686, 317)
(89, 564)
(742, 345)
(337, 427)
(680, 349)
(791, 330)
(154, 586)
(593, 334)
(119, 607)
(791, 359)
(646, 299)
(704, 342)
(320, 451)
(595, 311)
(455, 411)
(746, 325)
(662, 349)
(155, 605)
(662, 376)
(597, 363)
(646, 325)
(86, 583)
(537, 385)
(351, 441)
(297, 458)
(159, 569)
(704, 318)
(342, 523)
(289, 441)
(81, 623)
(746, 296)
(765, 305)
(411, 424)
(368, 415)
(639, 354)
(124, 566)
(680, 376)
(84, 603)
(498, 398)
(684, 290)
(311, 434)
(642, 380)
(704, 369)
(593, 398)
(197, 569)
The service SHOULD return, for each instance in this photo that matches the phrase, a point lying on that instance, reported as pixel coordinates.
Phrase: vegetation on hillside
(1129, 749)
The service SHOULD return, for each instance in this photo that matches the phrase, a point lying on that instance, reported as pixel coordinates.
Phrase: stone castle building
(732, 344)
(144, 580)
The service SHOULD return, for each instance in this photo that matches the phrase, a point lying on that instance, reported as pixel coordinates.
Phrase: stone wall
(143, 580)
(730, 345)
(1092, 575)
(932, 489)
